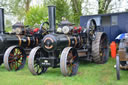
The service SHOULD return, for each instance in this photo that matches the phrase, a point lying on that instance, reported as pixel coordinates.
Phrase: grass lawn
(88, 74)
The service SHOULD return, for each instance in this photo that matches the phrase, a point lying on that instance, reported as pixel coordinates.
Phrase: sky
(36, 2)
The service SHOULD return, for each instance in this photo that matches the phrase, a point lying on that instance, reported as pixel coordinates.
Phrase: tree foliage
(17, 8)
(27, 5)
(76, 9)
(103, 6)
(36, 15)
(62, 8)
(71, 9)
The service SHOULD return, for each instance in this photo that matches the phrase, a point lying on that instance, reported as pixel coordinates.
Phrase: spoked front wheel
(69, 61)
(14, 58)
(118, 67)
(34, 65)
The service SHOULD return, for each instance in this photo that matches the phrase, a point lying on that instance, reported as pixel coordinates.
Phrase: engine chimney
(52, 18)
(1, 20)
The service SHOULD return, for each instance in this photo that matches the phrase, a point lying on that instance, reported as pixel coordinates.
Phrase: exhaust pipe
(1, 20)
(52, 18)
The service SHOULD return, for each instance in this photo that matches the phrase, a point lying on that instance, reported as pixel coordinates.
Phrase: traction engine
(66, 46)
(15, 46)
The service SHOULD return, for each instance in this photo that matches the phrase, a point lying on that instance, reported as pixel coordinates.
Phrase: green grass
(88, 74)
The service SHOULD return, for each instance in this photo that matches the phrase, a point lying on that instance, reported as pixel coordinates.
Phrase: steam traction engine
(13, 46)
(66, 46)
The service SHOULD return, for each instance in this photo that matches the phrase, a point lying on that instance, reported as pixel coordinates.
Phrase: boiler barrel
(54, 42)
(9, 40)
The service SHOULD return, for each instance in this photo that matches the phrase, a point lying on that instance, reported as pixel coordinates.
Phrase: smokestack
(52, 18)
(1, 21)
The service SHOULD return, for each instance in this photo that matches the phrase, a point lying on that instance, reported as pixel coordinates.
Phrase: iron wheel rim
(69, 62)
(34, 65)
(117, 67)
(14, 58)
(104, 48)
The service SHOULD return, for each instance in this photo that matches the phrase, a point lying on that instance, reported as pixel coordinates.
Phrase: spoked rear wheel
(14, 58)
(118, 67)
(34, 65)
(69, 61)
(100, 48)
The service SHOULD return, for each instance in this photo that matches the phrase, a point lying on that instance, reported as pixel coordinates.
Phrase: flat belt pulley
(91, 29)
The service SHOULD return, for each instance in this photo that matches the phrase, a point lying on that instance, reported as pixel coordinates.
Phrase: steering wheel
(42, 28)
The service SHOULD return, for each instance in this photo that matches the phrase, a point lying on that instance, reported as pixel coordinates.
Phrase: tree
(17, 8)
(103, 6)
(27, 5)
(62, 8)
(77, 9)
(36, 15)
(71, 9)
